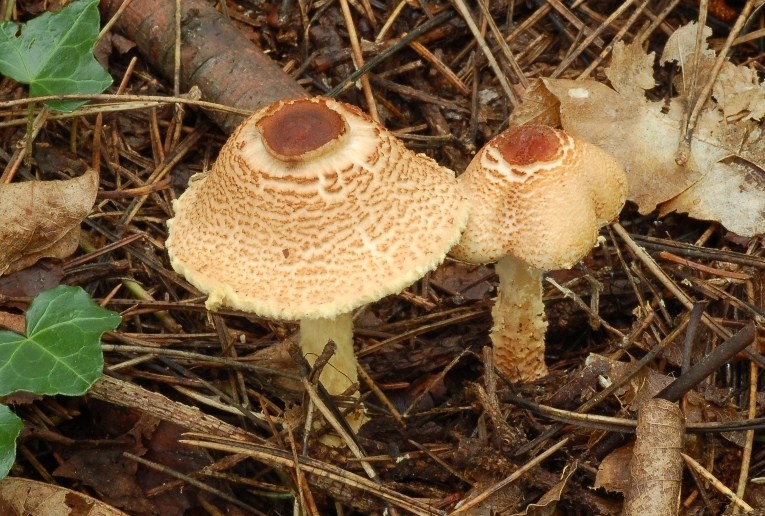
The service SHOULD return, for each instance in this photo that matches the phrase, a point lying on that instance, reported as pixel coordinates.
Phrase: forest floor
(446, 432)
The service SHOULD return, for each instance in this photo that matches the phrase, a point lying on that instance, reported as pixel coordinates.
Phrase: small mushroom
(538, 198)
(310, 211)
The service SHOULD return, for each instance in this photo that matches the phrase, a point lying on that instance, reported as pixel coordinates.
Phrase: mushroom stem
(518, 334)
(340, 372)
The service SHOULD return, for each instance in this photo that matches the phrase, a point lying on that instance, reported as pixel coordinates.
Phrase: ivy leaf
(10, 428)
(53, 53)
(61, 352)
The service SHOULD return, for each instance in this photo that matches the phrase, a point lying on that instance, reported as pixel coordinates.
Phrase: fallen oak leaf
(634, 131)
(41, 219)
(739, 93)
(734, 187)
(680, 48)
(631, 71)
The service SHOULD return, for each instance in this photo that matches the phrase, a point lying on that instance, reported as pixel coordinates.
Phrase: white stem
(520, 324)
(340, 373)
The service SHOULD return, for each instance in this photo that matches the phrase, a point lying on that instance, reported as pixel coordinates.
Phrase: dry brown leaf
(711, 406)
(41, 219)
(732, 192)
(680, 48)
(724, 179)
(739, 93)
(20, 496)
(614, 470)
(13, 322)
(656, 468)
(644, 385)
(633, 130)
(548, 503)
(631, 70)
(31, 281)
(538, 107)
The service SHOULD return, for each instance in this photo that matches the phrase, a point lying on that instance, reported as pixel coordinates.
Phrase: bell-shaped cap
(539, 195)
(311, 210)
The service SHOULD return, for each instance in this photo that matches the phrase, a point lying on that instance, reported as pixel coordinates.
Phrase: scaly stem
(520, 324)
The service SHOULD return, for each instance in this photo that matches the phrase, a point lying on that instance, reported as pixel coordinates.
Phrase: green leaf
(61, 353)
(53, 53)
(10, 428)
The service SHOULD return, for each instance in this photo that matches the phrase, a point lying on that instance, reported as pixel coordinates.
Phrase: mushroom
(538, 198)
(310, 211)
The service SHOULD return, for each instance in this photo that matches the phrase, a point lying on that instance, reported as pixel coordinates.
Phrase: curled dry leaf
(613, 472)
(656, 468)
(41, 219)
(723, 180)
(548, 503)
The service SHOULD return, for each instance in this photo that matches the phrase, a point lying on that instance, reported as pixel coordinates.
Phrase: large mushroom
(310, 211)
(538, 198)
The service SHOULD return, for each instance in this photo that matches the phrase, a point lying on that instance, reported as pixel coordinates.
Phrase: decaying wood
(215, 56)
(129, 395)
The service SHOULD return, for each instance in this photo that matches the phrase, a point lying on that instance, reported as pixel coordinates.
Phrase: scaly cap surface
(539, 195)
(312, 210)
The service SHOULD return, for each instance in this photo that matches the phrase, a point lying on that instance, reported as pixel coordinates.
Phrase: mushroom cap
(539, 195)
(311, 210)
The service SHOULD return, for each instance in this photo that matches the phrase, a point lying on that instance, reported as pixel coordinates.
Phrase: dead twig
(216, 56)
(698, 468)
(315, 469)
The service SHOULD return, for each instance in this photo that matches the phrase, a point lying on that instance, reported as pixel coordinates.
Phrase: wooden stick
(215, 56)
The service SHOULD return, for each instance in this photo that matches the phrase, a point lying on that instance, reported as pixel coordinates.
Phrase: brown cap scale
(310, 211)
(538, 198)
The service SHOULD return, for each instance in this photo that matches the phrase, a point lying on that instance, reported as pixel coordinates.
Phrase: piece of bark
(215, 56)
(656, 467)
(192, 419)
